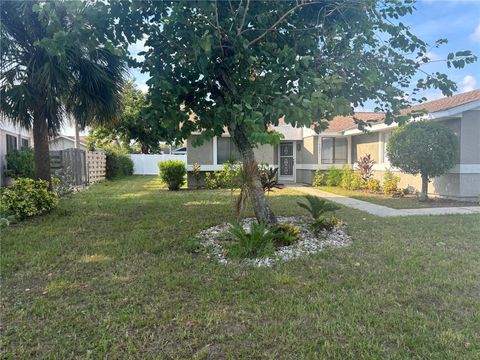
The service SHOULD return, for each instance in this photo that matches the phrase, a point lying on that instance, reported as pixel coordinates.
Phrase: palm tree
(53, 65)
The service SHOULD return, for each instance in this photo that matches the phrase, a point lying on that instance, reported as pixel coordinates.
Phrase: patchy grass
(111, 274)
(406, 202)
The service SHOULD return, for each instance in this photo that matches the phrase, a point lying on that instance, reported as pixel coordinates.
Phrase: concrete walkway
(383, 211)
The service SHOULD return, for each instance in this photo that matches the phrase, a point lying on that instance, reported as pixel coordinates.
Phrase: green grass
(111, 274)
(407, 202)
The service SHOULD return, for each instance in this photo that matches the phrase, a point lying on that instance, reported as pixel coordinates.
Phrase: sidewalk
(383, 211)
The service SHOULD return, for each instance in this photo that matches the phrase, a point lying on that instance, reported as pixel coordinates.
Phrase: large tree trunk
(77, 134)
(40, 146)
(262, 210)
(424, 193)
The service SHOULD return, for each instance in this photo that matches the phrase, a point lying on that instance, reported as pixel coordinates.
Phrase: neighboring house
(63, 142)
(302, 151)
(12, 138)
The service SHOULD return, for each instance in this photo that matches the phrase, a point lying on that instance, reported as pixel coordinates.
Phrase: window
(25, 143)
(226, 150)
(334, 151)
(11, 143)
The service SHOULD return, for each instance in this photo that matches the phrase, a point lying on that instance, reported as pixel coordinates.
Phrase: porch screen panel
(341, 150)
(226, 150)
(327, 150)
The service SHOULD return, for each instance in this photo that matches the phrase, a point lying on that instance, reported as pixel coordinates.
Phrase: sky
(456, 20)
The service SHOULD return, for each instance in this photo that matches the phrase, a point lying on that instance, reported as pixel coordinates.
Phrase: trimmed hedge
(172, 172)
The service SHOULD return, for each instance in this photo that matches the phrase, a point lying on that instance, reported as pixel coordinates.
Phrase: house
(12, 137)
(63, 142)
(303, 151)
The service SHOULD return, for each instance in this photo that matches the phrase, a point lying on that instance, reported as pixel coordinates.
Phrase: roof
(83, 139)
(448, 102)
(343, 123)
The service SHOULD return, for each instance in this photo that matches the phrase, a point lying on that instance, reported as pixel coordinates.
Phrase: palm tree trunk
(261, 208)
(424, 193)
(77, 134)
(41, 152)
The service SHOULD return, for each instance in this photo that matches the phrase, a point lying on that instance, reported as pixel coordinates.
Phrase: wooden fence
(97, 166)
(77, 166)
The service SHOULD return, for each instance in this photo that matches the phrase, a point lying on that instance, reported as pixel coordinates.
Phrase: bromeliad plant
(318, 208)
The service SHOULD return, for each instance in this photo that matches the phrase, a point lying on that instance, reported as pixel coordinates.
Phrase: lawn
(406, 202)
(111, 274)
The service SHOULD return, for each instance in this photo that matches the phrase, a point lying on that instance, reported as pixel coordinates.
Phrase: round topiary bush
(426, 148)
(173, 172)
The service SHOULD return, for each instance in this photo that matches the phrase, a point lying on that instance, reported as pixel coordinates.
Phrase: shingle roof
(343, 123)
(448, 102)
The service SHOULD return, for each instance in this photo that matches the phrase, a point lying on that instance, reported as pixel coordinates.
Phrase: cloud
(468, 83)
(433, 56)
(137, 47)
(475, 36)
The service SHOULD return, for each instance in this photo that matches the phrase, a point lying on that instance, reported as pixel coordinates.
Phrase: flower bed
(215, 239)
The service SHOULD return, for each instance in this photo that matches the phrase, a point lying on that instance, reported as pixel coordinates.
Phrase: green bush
(324, 223)
(26, 198)
(390, 183)
(227, 178)
(118, 163)
(350, 179)
(173, 172)
(334, 176)
(256, 243)
(20, 164)
(373, 185)
(284, 234)
(319, 179)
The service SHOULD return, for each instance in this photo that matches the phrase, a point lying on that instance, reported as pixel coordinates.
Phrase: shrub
(334, 176)
(268, 177)
(373, 185)
(20, 164)
(26, 198)
(316, 206)
(196, 173)
(350, 180)
(365, 166)
(258, 242)
(172, 172)
(390, 183)
(118, 163)
(319, 179)
(324, 223)
(227, 178)
(284, 234)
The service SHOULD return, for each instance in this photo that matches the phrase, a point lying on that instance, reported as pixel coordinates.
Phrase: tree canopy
(426, 148)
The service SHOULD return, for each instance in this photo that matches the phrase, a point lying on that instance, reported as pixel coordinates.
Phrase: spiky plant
(316, 206)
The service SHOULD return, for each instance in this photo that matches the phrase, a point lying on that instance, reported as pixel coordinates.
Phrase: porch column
(349, 150)
(214, 142)
(380, 147)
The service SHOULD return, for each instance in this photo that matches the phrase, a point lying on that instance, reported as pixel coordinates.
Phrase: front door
(286, 161)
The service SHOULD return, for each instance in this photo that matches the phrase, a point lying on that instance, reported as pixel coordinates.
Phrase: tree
(134, 123)
(57, 60)
(242, 65)
(426, 148)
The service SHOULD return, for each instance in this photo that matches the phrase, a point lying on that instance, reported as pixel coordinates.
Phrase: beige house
(63, 142)
(302, 151)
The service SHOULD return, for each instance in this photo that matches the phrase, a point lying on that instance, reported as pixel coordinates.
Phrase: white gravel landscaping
(308, 243)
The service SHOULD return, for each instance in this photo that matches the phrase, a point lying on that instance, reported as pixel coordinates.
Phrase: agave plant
(316, 206)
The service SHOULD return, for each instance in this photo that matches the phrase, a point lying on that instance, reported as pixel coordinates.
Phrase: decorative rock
(308, 242)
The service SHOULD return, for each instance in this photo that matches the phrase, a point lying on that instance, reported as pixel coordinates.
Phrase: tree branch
(283, 17)
(239, 29)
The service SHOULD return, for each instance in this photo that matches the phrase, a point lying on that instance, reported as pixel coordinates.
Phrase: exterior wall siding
(365, 144)
(470, 135)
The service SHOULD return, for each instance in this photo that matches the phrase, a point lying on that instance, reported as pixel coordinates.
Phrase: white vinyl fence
(147, 164)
